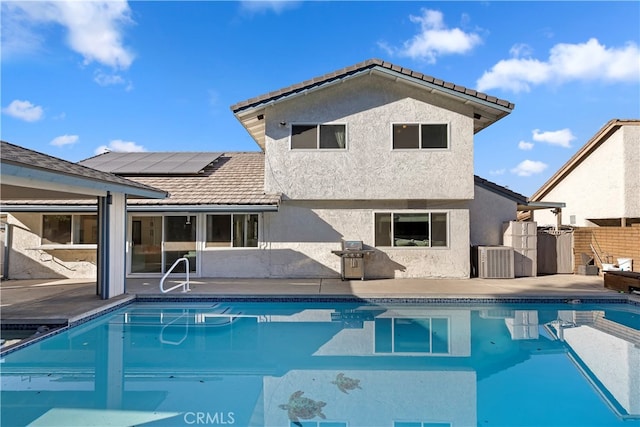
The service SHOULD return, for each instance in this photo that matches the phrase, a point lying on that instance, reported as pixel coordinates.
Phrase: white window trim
(70, 245)
(346, 137)
(421, 211)
(448, 124)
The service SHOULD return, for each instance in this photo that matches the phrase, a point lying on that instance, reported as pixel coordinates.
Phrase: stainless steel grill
(353, 257)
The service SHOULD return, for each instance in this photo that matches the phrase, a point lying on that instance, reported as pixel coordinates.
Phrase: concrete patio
(66, 301)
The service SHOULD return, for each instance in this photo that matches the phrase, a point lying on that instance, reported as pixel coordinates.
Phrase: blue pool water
(333, 364)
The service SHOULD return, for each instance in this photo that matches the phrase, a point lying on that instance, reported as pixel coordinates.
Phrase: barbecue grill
(353, 256)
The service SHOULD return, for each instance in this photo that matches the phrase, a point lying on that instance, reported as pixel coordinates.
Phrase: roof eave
(24, 175)
(487, 111)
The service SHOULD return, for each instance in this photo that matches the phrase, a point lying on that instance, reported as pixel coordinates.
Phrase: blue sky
(79, 77)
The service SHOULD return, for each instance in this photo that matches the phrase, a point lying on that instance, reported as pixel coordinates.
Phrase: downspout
(103, 286)
(8, 230)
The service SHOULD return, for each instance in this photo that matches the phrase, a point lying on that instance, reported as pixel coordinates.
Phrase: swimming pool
(333, 364)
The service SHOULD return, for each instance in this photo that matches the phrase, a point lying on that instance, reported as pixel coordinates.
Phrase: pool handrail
(185, 284)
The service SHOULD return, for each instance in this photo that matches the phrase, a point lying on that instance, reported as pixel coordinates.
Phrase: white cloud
(260, 6)
(94, 28)
(23, 110)
(104, 79)
(524, 145)
(434, 39)
(497, 172)
(63, 140)
(520, 49)
(120, 146)
(18, 39)
(529, 167)
(590, 61)
(562, 137)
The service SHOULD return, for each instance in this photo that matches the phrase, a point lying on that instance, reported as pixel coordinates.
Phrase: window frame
(391, 345)
(420, 142)
(232, 228)
(75, 228)
(391, 214)
(318, 126)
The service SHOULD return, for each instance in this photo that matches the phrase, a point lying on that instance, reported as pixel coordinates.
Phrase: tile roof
(20, 156)
(500, 190)
(486, 109)
(234, 179)
(361, 66)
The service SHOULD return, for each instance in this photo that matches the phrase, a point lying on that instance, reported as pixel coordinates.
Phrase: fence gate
(555, 252)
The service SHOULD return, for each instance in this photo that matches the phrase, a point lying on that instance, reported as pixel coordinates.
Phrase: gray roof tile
(234, 179)
(345, 72)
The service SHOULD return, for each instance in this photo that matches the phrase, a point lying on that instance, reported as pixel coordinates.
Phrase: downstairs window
(232, 230)
(68, 229)
(426, 229)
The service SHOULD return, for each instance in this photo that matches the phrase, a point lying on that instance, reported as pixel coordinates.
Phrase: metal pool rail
(185, 284)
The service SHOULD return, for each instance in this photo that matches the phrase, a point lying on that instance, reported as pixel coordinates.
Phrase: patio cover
(26, 174)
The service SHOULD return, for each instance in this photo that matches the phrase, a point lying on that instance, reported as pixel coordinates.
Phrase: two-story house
(373, 152)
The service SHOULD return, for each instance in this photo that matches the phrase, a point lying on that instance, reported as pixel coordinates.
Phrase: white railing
(184, 315)
(185, 284)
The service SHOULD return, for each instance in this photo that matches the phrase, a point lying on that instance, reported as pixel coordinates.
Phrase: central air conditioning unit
(495, 262)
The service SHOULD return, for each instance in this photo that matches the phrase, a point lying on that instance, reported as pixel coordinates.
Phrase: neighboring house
(373, 152)
(600, 184)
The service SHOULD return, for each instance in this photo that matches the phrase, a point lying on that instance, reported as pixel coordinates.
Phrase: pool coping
(577, 299)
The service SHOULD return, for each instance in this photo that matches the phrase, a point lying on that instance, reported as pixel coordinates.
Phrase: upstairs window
(323, 137)
(69, 229)
(426, 229)
(420, 136)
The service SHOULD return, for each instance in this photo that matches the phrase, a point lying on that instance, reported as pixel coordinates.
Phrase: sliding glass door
(179, 242)
(146, 244)
(158, 241)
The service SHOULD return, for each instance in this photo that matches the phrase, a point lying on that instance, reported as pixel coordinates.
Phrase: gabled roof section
(500, 190)
(596, 141)
(147, 163)
(522, 202)
(19, 163)
(487, 109)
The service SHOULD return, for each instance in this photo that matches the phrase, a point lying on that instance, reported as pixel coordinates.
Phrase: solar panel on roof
(161, 163)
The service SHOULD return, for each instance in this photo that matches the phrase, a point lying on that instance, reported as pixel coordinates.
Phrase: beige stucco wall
(369, 168)
(301, 235)
(631, 136)
(28, 261)
(486, 214)
(605, 185)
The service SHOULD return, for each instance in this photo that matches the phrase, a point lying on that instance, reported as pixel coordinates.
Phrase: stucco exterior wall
(486, 214)
(595, 188)
(369, 168)
(300, 237)
(28, 261)
(631, 136)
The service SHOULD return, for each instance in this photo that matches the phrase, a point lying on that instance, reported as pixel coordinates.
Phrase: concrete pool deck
(65, 301)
